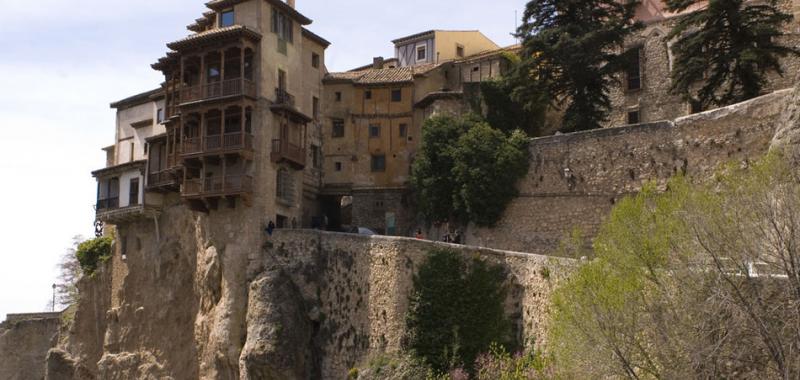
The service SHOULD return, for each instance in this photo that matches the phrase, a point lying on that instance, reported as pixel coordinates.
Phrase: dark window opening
(460, 51)
(403, 130)
(338, 96)
(283, 26)
(368, 94)
(338, 128)
(337, 166)
(397, 95)
(315, 60)
(378, 163)
(633, 117)
(374, 131)
(696, 106)
(134, 192)
(633, 70)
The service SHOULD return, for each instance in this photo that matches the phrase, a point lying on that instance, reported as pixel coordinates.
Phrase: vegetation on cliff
(466, 171)
(570, 54)
(93, 252)
(702, 281)
(457, 311)
(725, 49)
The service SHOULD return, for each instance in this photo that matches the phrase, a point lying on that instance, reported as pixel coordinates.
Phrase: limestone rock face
(279, 332)
(24, 345)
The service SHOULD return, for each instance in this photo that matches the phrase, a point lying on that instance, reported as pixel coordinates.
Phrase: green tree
(505, 113)
(570, 52)
(466, 171)
(456, 311)
(91, 253)
(726, 49)
(702, 281)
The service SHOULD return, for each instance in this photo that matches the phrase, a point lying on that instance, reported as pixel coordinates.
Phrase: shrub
(93, 252)
(457, 311)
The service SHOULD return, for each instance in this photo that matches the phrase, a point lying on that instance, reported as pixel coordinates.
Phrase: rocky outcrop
(787, 134)
(279, 331)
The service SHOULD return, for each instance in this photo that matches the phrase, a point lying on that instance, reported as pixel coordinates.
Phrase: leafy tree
(702, 281)
(69, 274)
(92, 252)
(569, 55)
(456, 311)
(725, 49)
(467, 171)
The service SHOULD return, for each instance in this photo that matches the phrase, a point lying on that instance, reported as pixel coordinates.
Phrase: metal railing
(107, 204)
(283, 97)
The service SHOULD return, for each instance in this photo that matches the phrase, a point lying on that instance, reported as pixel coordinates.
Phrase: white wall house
(121, 193)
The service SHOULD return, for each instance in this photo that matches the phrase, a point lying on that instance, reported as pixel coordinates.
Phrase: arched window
(285, 186)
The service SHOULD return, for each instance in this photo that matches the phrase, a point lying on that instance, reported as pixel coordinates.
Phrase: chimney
(290, 2)
(377, 63)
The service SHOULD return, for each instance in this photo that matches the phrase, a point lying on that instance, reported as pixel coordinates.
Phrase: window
(285, 187)
(403, 130)
(283, 26)
(226, 18)
(633, 73)
(315, 60)
(368, 94)
(459, 50)
(338, 128)
(633, 117)
(379, 163)
(397, 95)
(337, 166)
(160, 116)
(338, 96)
(422, 53)
(133, 200)
(316, 157)
(315, 107)
(374, 131)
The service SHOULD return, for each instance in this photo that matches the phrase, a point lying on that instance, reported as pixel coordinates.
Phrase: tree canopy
(570, 53)
(466, 171)
(725, 50)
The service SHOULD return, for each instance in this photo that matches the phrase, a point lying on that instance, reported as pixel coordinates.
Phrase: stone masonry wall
(25, 340)
(574, 180)
(355, 291)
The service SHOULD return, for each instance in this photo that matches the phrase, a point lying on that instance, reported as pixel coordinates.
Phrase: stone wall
(25, 340)
(352, 292)
(574, 180)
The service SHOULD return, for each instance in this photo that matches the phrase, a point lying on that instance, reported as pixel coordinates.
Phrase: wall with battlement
(357, 288)
(574, 180)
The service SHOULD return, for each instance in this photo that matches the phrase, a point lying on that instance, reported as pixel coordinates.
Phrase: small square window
(338, 96)
(368, 94)
(422, 53)
(397, 95)
(338, 128)
(374, 131)
(337, 166)
(633, 71)
(460, 51)
(226, 18)
(403, 130)
(379, 163)
(633, 117)
(315, 60)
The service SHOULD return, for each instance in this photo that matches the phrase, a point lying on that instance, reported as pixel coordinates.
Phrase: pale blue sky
(63, 62)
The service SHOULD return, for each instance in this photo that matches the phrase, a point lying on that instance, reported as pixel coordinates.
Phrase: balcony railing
(284, 98)
(107, 204)
(230, 87)
(283, 150)
(162, 178)
(217, 143)
(218, 186)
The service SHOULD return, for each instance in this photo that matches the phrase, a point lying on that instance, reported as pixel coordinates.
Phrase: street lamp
(54, 298)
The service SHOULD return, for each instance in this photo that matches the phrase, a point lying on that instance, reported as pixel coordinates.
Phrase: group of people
(449, 237)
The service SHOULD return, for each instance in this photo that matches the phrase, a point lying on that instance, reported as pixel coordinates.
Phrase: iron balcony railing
(107, 204)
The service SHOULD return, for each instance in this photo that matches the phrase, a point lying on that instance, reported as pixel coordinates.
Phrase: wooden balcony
(162, 180)
(217, 90)
(284, 151)
(107, 204)
(230, 185)
(228, 143)
(284, 98)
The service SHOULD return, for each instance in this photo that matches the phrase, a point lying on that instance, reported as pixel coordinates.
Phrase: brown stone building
(243, 98)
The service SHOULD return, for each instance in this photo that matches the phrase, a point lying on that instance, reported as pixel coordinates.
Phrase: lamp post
(54, 298)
